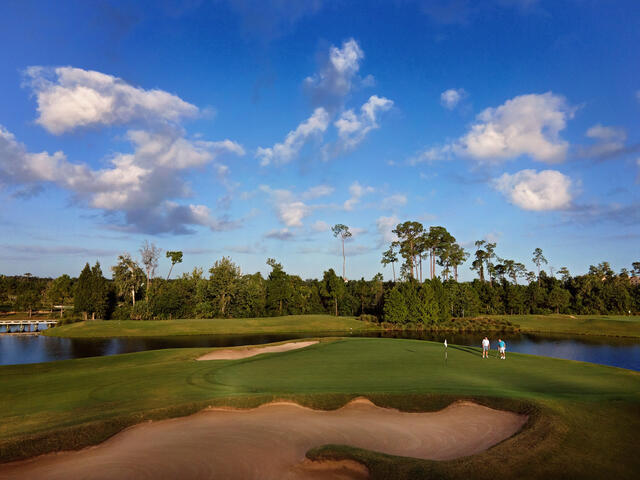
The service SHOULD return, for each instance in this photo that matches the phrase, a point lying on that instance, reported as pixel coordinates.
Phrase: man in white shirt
(485, 348)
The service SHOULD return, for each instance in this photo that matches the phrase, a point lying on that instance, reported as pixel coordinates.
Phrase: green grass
(584, 417)
(612, 325)
(228, 326)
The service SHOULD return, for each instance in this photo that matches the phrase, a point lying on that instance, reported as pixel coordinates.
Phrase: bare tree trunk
(420, 268)
(455, 272)
(412, 259)
(344, 262)
(170, 269)
(93, 315)
(133, 296)
(393, 267)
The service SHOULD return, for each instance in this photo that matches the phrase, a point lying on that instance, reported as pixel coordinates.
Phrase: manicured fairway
(226, 326)
(584, 417)
(614, 325)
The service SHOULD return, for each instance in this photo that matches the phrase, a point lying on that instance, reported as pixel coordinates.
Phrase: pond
(614, 351)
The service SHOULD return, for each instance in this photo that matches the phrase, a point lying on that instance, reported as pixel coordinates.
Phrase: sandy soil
(269, 442)
(237, 353)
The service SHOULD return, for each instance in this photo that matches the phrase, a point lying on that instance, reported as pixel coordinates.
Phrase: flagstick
(445, 352)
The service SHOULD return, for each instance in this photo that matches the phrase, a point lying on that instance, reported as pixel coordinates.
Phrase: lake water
(20, 349)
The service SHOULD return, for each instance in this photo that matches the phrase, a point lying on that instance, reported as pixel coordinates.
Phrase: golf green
(584, 418)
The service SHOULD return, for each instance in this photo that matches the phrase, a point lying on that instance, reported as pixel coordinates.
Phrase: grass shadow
(469, 350)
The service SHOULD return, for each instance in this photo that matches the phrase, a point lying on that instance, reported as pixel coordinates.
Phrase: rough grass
(227, 326)
(611, 325)
(584, 418)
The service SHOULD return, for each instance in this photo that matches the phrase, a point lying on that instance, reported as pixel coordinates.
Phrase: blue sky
(246, 128)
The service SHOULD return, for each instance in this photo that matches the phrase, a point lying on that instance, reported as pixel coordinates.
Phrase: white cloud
(290, 208)
(320, 226)
(432, 155)
(70, 98)
(449, 99)
(337, 75)
(609, 141)
(139, 185)
(352, 128)
(286, 151)
(531, 190)
(356, 191)
(385, 226)
(292, 213)
(525, 125)
(318, 191)
(282, 234)
(394, 201)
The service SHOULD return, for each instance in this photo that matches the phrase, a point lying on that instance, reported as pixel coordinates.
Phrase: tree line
(419, 294)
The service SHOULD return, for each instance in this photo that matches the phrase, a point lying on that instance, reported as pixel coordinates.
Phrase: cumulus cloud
(288, 150)
(290, 209)
(609, 141)
(525, 125)
(385, 227)
(538, 191)
(352, 128)
(320, 226)
(394, 201)
(141, 185)
(356, 192)
(70, 98)
(337, 75)
(449, 99)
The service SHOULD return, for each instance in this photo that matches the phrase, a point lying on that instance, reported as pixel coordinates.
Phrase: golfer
(502, 347)
(485, 348)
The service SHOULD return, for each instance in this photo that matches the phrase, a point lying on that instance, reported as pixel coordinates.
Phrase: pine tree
(82, 296)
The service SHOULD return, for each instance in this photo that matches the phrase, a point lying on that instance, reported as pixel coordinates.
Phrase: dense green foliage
(227, 293)
(414, 300)
(584, 417)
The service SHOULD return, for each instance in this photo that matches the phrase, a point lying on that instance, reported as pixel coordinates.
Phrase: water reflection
(618, 352)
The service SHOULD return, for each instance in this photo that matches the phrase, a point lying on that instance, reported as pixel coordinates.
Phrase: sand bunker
(237, 353)
(270, 442)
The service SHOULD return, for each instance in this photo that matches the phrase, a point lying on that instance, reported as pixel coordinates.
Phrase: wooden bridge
(25, 326)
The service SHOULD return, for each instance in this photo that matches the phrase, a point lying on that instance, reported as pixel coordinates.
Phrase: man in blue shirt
(502, 347)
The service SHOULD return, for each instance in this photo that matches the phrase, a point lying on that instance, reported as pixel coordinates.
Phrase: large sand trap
(237, 353)
(269, 442)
